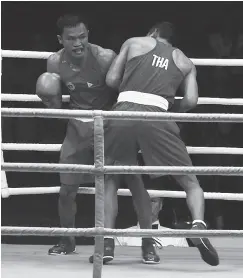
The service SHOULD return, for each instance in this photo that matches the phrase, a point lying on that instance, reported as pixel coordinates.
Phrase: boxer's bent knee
(112, 182)
(187, 182)
(68, 191)
(136, 179)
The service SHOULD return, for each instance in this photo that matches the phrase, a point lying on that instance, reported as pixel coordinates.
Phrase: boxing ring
(186, 262)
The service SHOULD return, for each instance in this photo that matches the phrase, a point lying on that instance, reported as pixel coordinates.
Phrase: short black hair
(166, 30)
(70, 20)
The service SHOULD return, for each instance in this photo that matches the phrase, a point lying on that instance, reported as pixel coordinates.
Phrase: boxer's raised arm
(48, 85)
(116, 71)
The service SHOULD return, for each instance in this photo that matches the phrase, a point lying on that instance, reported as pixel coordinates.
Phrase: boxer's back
(150, 68)
(86, 85)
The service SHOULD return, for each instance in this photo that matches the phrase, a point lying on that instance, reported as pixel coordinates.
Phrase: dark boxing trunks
(159, 141)
(77, 148)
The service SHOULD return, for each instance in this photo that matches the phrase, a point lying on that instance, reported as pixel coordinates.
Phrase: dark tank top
(87, 87)
(154, 73)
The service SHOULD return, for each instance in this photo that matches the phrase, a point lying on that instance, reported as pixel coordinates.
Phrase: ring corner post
(99, 194)
(4, 184)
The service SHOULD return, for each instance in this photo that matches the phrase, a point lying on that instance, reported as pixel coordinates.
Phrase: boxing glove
(48, 89)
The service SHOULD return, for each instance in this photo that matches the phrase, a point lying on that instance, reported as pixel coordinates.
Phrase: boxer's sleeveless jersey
(86, 86)
(154, 73)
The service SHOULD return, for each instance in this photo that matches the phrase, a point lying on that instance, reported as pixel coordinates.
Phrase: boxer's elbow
(192, 101)
(189, 103)
(113, 81)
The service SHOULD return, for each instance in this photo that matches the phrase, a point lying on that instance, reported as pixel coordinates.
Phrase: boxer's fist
(48, 89)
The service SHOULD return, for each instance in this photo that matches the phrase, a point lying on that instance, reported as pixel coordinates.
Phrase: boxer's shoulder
(131, 41)
(182, 61)
(103, 55)
(137, 42)
(53, 62)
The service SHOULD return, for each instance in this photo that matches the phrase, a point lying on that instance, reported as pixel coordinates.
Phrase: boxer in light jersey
(81, 67)
(148, 71)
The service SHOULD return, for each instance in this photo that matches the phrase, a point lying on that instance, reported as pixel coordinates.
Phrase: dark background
(31, 26)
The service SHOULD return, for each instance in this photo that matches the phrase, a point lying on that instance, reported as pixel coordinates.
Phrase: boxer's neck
(76, 62)
(163, 40)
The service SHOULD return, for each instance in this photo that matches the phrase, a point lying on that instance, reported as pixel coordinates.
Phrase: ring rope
(66, 98)
(90, 232)
(45, 55)
(57, 147)
(121, 115)
(166, 170)
(126, 192)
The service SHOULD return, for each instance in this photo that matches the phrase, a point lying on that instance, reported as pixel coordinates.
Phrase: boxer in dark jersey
(148, 71)
(81, 67)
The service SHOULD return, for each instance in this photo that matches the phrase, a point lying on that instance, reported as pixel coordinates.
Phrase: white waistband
(143, 98)
(85, 120)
